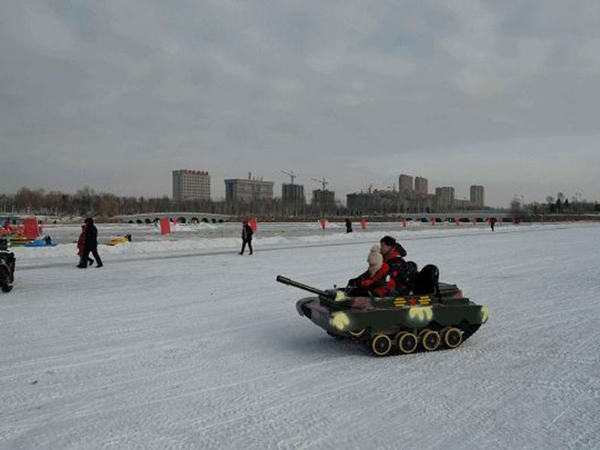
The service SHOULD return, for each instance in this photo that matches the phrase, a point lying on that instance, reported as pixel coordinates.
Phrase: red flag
(30, 228)
(165, 226)
(253, 222)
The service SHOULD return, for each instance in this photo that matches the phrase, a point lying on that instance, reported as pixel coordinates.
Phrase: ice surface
(179, 342)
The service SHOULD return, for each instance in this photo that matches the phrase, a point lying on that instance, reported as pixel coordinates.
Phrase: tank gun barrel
(303, 286)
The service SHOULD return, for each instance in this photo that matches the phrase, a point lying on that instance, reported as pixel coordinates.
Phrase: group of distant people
(388, 273)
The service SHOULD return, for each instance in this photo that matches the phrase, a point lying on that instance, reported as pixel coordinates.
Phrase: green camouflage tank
(443, 318)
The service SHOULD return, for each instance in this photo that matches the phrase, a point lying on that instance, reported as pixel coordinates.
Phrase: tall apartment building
(361, 203)
(249, 190)
(444, 197)
(191, 185)
(405, 184)
(421, 188)
(324, 200)
(477, 196)
(292, 198)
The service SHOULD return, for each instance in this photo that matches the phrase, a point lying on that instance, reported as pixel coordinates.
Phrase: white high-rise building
(477, 196)
(191, 185)
(250, 190)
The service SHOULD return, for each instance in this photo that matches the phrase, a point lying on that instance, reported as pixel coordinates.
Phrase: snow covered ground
(182, 343)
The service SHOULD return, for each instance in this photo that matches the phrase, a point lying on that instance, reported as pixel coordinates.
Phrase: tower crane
(291, 174)
(323, 182)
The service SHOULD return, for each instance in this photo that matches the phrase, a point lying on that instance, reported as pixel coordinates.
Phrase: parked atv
(7, 266)
(433, 316)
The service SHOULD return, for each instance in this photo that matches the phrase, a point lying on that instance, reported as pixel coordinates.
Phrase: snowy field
(180, 343)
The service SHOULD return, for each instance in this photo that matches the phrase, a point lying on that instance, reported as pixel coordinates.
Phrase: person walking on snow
(247, 233)
(81, 247)
(91, 244)
(348, 226)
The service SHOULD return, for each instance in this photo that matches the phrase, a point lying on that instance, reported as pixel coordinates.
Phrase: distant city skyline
(118, 95)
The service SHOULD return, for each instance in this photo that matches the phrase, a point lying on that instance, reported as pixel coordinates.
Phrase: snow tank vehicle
(434, 315)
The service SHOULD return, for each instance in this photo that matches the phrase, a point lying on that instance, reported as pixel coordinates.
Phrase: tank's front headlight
(339, 320)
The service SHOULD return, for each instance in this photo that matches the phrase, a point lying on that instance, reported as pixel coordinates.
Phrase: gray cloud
(118, 94)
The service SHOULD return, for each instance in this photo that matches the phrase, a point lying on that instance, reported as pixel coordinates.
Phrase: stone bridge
(179, 217)
(463, 216)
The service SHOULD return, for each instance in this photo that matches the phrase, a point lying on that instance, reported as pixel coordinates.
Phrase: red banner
(253, 222)
(30, 228)
(165, 226)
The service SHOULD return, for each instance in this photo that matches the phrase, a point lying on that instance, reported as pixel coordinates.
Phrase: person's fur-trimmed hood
(375, 259)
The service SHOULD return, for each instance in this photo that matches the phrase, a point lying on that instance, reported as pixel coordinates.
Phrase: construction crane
(323, 182)
(291, 174)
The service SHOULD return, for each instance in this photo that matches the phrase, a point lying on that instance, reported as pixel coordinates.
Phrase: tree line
(87, 202)
(554, 205)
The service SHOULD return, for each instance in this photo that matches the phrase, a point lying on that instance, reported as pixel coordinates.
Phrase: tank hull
(390, 318)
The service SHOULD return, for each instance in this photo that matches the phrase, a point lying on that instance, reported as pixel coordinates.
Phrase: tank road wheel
(357, 334)
(430, 340)
(452, 337)
(407, 342)
(381, 345)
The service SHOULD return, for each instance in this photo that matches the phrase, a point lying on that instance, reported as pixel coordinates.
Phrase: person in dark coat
(247, 233)
(348, 226)
(81, 247)
(393, 255)
(90, 245)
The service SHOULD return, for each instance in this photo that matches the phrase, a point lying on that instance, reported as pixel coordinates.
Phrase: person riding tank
(393, 255)
(373, 280)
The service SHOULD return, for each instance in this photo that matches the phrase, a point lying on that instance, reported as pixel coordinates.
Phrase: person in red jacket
(393, 255)
(374, 280)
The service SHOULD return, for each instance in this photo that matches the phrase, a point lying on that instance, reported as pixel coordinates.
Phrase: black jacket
(247, 233)
(91, 236)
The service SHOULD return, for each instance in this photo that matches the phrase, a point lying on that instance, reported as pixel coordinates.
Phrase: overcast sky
(117, 94)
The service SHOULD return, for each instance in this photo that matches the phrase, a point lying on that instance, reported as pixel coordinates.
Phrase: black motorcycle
(7, 266)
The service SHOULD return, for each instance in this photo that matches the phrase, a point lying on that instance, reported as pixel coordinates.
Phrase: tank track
(470, 331)
(365, 341)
